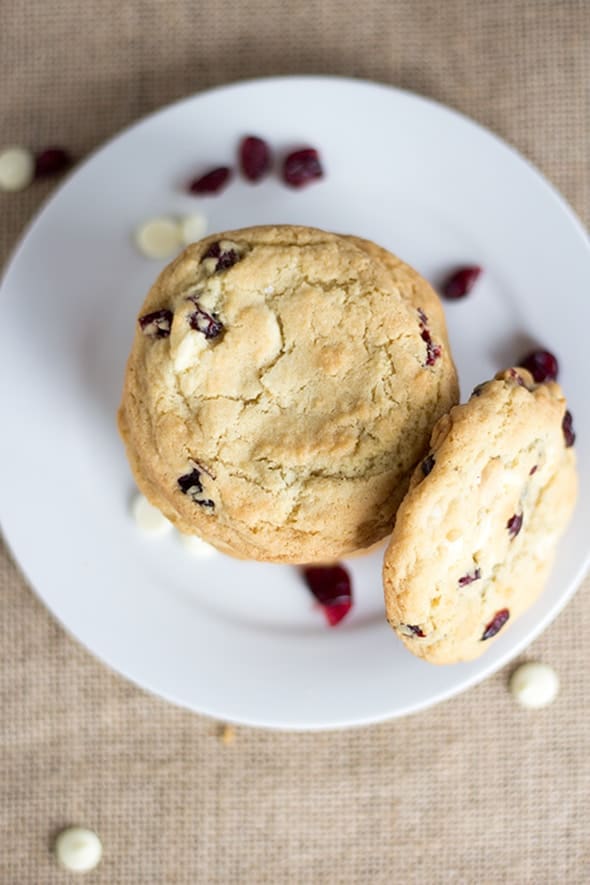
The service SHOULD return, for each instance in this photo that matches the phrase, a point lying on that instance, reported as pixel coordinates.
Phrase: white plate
(242, 641)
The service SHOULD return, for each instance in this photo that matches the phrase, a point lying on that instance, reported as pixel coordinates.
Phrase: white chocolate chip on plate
(17, 168)
(192, 228)
(158, 238)
(534, 685)
(148, 518)
(197, 546)
(78, 849)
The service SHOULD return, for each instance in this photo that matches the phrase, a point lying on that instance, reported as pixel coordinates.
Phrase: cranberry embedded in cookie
(495, 624)
(201, 321)
(156, 324)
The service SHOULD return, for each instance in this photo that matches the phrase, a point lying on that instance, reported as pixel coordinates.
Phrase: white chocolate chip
(158, 238)
(192, 228)
(148, 518)
(17, 168)
(78, 850)
(534, 685)
(197, 546)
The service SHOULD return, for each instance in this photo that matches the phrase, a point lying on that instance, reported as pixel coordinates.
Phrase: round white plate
(242, 641)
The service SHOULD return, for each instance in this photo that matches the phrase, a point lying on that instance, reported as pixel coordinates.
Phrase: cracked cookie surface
(281, 387)
(475, 536)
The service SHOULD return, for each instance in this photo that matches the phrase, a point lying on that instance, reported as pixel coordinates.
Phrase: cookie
(282, 385)
(475, 537)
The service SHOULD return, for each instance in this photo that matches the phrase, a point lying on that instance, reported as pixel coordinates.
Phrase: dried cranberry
(470, 578)
(461, 282)
(190, 484)
(415, 629)
(212, 182)
(433, 351)
(516, 378)
(427, 465)
(514, 525)
(301, 167)
(496, 624)
(533, 469)
(52, 160)
(156, 324)
(201, 321)
(255, 157)
(568, 429)
(225, 257)
(330, 584)
(478, 389)
(541, 364)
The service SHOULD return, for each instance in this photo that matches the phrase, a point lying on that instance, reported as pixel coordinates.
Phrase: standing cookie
(475, 536)
(282, 385)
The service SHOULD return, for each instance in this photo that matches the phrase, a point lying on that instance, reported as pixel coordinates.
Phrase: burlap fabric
(474, 791)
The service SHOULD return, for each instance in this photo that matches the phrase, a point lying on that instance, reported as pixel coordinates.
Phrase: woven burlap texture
(474, 791)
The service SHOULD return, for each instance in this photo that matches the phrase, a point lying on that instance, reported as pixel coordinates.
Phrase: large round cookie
(282, 385)
(474, 538)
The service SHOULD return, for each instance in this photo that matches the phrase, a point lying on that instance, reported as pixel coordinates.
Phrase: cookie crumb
(227, 734)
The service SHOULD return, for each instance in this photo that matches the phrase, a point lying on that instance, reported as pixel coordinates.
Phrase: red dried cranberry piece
(433, 351)
(301, 167)
(516, 378)
(201, 321)
(225, 258)
(568, 429)
(533, 469)
(495, 624)
(156, 324)
(52, 160)
(427, 465)
(469, 578)
(212, 182)
(542, 365)
(461, 282)
(514, 525)
(415, 629)
(190, 483)
(255, 157)
(330, 584)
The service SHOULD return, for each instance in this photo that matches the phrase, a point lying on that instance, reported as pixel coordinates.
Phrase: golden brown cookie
(282, 385)
(475, 536)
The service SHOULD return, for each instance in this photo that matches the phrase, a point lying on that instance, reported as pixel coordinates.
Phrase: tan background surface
(474, 791)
